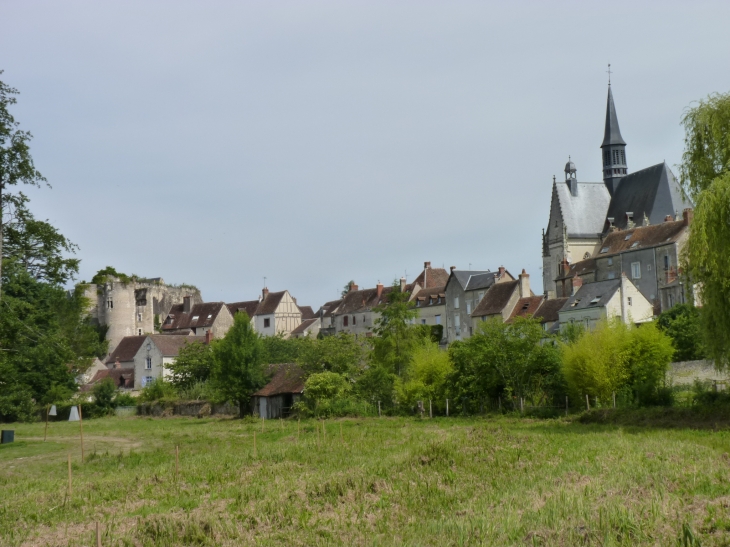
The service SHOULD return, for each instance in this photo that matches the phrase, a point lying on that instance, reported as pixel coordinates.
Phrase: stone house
(275, 313)
(326, 316)
(133, 307)
(604, 300)
(123, 354)
(647, 255)
(123, 379)
(431, 305)
(501, 300)
(198, 319)
(464, 290)
(157, 352)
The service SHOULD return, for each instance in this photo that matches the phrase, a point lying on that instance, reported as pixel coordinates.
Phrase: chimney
(629, 220)
(264, 293)
(353, 287)
(208, 336)
(687, 216)
(187, 304)
(117, 364)
(402, 284)
(426, 265)
(577, 283)
(524, 278)
(380, 289)
(452, 268)
(668, 218)
(566, 266)
(501, 272)
(610, 221)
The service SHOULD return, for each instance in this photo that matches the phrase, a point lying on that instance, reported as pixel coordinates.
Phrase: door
(262, 407)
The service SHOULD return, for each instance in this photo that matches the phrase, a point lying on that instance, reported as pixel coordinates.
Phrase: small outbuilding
(276, 399)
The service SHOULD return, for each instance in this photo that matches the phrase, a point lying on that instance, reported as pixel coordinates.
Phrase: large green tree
(238, 357)
(16, 163)
(396, 336)
(705, 176)
(194, 363)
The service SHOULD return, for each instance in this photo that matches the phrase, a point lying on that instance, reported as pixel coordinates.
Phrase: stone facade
(131, 308)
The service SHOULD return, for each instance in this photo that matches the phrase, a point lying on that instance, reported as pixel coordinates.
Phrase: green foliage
(57, 394)
(278, 349)
(201, 391)
(104, 392)
(16, 405)
(124, 399)
(158, 390)
(193, 364)
(104, 274)
(615, 357)
(377, 384)
(396, 336)
(346, 288)
(326, 386)
(328, 394)
(426, 376)
(682, 324)
(238, 370)
(342, 354)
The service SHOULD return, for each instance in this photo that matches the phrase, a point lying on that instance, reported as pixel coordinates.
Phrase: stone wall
(686, 372)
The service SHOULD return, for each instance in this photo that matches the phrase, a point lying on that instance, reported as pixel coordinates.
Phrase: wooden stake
(447, 407)
(98, 535)
(614, 399)
(298, 426)
(379, 409)
(254, 444)
(566, 405)
(70, 484)
(177, 460)
(588, 404)
(342, 439)
(81, 427)
(324, 432)
(262, 424)
(48, 409)
(430, 409)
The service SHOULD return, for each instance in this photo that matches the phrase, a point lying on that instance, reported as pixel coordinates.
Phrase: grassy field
(481, 481)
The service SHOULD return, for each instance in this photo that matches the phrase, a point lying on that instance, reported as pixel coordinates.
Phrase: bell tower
(613, 147)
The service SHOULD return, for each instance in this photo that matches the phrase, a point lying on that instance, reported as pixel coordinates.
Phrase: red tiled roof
(270, 303)
(286, 378)
(526, 307)
(496, 298)
(126, 349)
(122, 377)
(201, 315)
(435, 277)
(307, 312)
(641, 237)
(430, 297)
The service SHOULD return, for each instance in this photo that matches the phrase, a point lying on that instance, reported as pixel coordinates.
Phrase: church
(583, 213)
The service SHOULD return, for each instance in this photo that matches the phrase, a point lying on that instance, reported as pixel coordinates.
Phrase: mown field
(391, 481)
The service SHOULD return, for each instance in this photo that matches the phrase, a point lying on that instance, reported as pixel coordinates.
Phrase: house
(582, 213)
(464, 291)
(276, 399)
(357, 314)
(648, 255)
(275, 313)
(158, 351)
(326, 315)
(198, 319)
(90, 372)
(501, 300)
(605, 300)
(307, 312)
(124, 352)
(429, 278)
(308, 328)
(431, 305)
(123, 379)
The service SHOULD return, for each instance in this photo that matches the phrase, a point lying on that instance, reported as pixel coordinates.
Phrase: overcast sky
(216, 143)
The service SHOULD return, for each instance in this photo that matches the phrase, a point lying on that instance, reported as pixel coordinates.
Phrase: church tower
(614, 148)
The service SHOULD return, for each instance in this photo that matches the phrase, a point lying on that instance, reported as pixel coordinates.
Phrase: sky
(219, 143)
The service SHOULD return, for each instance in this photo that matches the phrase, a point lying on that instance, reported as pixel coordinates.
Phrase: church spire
(614, 147)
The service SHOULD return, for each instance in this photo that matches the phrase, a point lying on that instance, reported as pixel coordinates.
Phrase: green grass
(492, 481)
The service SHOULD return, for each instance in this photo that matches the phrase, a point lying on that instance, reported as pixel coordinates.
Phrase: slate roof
(653, 192)
(170, 344)
(328, 308)
(464, 276)
(548, 312)
(434, 277)
(579, 268)
(285, 378)
(527, 307)
(201, 315)
(362, 300)
(584, 214)
(126, 349)
(642, 237)
(307, 312)
(612, 133)
(600, 291)
(304, 325)
(249, 307)
(496, 298)
(430, 297)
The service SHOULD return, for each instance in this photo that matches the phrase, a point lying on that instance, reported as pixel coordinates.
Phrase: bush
(158, 390)
(17, 407)
(124, 399)
(104, 393)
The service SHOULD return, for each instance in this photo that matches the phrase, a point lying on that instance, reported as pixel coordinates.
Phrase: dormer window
(195, 317)
(596, 300)
(628, 236)
(604, 250)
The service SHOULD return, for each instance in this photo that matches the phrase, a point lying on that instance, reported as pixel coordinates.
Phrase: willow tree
(705, 177)
(16, 163)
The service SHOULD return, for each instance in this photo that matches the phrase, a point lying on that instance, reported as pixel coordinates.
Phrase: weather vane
(609, 73)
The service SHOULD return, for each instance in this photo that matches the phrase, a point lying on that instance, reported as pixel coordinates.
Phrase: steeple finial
(609, 73)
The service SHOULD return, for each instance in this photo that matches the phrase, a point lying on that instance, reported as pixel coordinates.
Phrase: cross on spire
(609, 73)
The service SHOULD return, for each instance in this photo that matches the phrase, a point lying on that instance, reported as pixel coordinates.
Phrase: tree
(342, 354)
(705, 176)
(16, 163)
(682, 325)
(427, 375)
(193, 364)
(238, 357)
(650, 352)
(346, 288)
(278, 349)
(104, 395)
(397, 337)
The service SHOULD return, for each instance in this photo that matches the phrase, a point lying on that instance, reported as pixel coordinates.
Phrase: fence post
(566, 405)
(98, 535)
(614, 399)
(430, 409)
(499, 402)
(522, 405)
(447, 408)
(379, 409)
(81, 429)
(588, 404)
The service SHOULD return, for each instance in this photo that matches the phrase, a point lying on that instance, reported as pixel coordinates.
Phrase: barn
(275, 399)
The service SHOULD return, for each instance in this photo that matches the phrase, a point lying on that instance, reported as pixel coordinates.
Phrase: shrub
(17, 406)
(104, 395)
(158, 390)
(124, 399)
(426, 376)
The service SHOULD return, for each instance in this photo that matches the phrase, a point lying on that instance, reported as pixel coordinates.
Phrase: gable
(584, 214)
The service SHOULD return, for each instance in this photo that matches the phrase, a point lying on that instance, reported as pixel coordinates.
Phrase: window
(481, 295)
(666, 262)
(628, 236)
(610, 261)
(604, 250)
(623, 159)
(195, 317)
(438, 319)
(586, 256)
(209, 316)
(596, 300)
(354, 320)
(139, 317)
(635, 244)
(612, 275)
(345, 321)
(457, 321)
(267, 323)
(139, 332)
(636, 270)
(629, 301)
(468, 307)
(456, 302)
(418, 303)
(147, 380)
(671, 300)
(109, 304)
(423, 321)
(439, 300)
(148, 363)
(363, 319)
